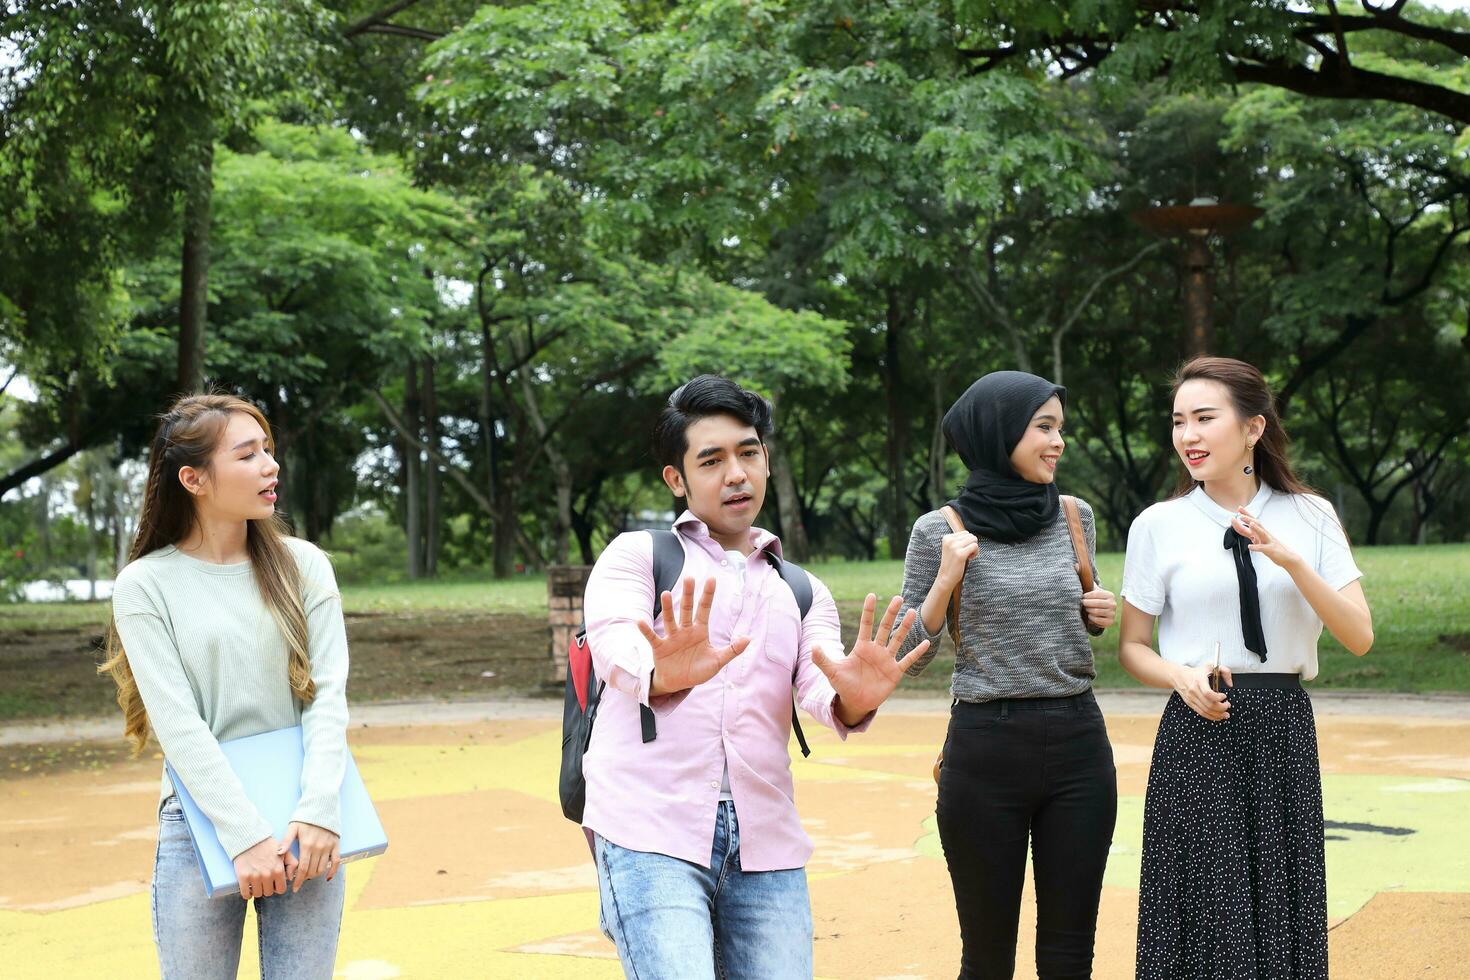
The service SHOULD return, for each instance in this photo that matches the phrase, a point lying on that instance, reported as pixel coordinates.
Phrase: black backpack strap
(806, 750)
(801, 587)
(796, 577)
(668, 563)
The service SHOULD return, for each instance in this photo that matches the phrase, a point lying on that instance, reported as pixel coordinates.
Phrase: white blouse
(1177, 568)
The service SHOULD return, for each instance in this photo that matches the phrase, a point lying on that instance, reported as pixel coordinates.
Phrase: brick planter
(565, 585)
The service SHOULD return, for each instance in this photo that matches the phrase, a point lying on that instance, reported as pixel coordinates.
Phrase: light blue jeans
(674, 920)
(198, 937)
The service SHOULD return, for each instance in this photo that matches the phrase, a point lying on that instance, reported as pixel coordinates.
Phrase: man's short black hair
(706, 395)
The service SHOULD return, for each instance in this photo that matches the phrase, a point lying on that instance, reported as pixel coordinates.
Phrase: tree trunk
(412, 473)
(583, 531)
(194, 271)
(501, 494)
(898, 426)
(793, 528)
(91, 534)
(316, 516)
(1377, 511)
(582, 525)
(503, 550)
(938, 449)
(561, 472)
(432, 480)
(119, 532)
(561, 468)
(45, 527)
(564, 488)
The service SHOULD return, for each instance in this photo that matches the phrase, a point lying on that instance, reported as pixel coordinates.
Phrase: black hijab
(984, 426)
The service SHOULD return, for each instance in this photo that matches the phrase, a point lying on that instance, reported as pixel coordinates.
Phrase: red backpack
(584, 690)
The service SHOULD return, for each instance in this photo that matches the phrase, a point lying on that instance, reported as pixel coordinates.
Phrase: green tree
(132, 99)
(1413, 55)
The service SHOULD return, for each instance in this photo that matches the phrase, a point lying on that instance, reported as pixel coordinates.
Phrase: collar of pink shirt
(662, 796)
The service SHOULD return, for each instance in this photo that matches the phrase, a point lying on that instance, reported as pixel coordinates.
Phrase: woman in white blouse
(1242, 568)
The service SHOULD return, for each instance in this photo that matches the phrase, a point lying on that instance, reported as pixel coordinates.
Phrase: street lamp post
(1193, 224)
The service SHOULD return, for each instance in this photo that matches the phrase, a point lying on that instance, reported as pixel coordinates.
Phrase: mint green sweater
(211, 665)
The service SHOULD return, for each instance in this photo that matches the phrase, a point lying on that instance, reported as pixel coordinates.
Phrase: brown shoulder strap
(956, 524)
(1079, 542)
(953, 516)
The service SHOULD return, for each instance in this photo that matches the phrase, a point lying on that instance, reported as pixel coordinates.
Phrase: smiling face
(1209, 434)
(1040, 448)
(724, 476)
(240, 482)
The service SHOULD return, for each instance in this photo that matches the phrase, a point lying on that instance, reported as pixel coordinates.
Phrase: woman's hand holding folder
(261, 871)
(320, 853)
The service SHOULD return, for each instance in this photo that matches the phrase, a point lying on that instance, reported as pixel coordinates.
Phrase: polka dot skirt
(1234, 883)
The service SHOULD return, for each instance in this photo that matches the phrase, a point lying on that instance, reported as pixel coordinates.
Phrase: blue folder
(269, 768)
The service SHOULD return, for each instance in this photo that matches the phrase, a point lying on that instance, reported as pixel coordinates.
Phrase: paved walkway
(484, 878)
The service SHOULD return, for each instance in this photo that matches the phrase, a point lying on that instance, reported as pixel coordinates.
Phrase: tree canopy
(460, 252)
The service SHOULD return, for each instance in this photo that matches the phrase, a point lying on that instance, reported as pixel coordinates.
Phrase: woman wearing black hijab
(1027, 758)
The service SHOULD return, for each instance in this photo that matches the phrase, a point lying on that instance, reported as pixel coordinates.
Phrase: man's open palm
(865, 677)
(683, 657)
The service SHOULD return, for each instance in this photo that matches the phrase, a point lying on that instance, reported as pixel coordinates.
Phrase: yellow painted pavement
(484, 878)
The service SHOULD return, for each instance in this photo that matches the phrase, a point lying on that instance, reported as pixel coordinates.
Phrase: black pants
(1038, 769)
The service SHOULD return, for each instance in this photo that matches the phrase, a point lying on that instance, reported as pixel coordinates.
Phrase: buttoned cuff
(630, 671)
(841, 728)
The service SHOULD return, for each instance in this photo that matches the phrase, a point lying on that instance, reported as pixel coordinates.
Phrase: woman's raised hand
(956, 551)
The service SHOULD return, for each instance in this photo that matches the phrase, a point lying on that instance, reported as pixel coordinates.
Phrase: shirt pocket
(783, 634)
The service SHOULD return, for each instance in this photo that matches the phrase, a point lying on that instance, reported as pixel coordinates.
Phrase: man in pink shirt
(700, 852)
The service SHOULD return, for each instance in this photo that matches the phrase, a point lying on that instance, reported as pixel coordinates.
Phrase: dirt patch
(409, 656)
(56, 758)
(52, 673)
(396, 657)
(1401, 935)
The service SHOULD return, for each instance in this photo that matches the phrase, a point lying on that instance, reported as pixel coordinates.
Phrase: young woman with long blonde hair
(223, 627)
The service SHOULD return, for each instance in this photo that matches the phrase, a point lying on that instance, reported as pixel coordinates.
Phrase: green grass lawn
(1420, 599)
(525, 594)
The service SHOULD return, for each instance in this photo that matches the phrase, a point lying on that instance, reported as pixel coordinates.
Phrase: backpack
(584, 690)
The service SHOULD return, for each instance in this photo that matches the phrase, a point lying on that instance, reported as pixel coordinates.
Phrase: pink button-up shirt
(662, 796)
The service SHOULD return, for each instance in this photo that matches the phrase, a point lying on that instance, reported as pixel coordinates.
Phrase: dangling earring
(1250, 447)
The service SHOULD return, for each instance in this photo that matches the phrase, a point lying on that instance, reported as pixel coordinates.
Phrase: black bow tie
(1250, 600)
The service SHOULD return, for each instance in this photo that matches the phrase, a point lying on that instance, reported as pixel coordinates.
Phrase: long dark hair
(187, 436)
(1251, 396)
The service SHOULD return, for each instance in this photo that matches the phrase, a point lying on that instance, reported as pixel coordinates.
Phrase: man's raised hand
(865, 677)
(683, 657)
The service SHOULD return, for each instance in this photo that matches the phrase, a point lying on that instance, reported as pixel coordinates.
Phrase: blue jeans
(673, 920)
(198, 937)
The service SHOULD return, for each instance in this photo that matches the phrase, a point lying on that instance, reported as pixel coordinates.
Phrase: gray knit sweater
(1021, 630)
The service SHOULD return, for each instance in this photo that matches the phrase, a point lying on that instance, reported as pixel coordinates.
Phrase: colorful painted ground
(484, 878)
